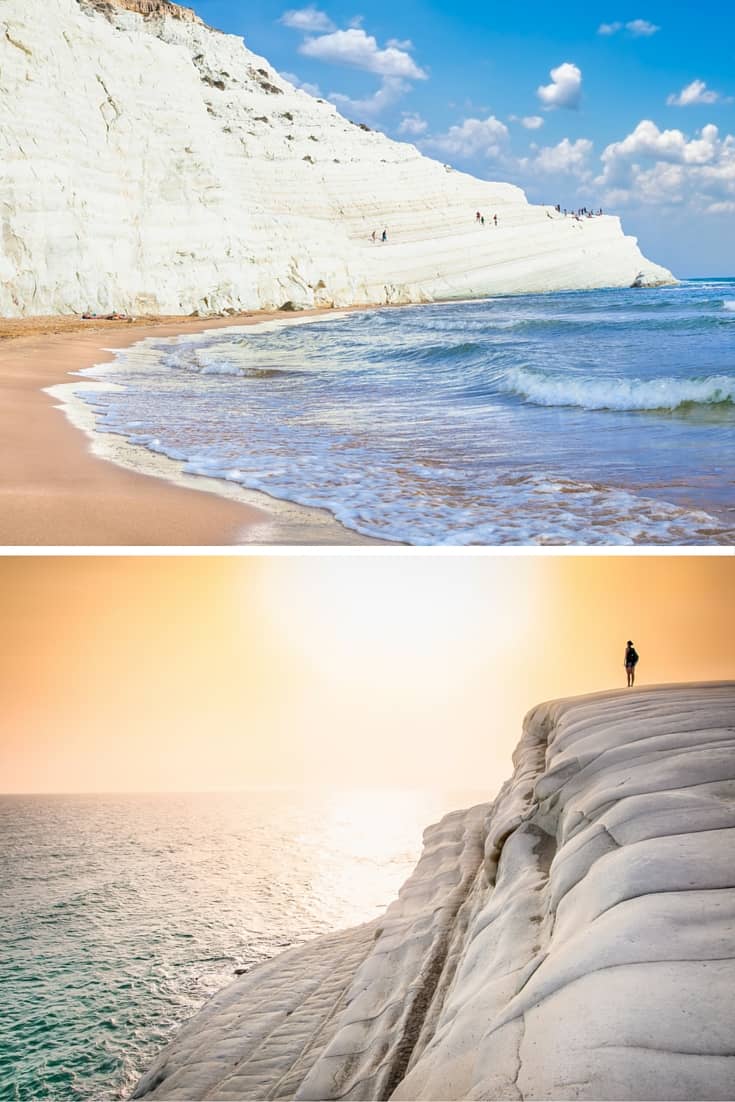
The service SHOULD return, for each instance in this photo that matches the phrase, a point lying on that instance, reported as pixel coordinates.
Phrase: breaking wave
(454, 424)
(619, 394)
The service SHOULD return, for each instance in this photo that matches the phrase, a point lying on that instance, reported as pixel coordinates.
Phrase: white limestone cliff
(573, 939)
(152, 164)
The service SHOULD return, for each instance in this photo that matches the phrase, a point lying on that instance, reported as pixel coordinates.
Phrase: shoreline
(356, 993)
(65, 484)
(119, 493)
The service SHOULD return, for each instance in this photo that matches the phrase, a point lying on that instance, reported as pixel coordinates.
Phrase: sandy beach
(56, 491)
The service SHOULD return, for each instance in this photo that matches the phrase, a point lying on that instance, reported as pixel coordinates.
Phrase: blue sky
(638, 115)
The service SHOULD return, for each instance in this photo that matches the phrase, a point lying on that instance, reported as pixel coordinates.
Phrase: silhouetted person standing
(631, 660)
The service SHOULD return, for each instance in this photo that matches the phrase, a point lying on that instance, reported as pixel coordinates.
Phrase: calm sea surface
(590, 417)
(120, 915)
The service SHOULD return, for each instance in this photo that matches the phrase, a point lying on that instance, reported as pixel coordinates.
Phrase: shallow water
(120, 915)
(589, 417)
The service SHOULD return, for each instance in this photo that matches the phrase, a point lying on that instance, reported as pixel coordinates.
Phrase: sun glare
(368, 831)
(410, 608)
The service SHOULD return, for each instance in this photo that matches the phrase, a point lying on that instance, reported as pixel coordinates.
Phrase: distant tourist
(384, 238)
(631, 660)
(374, 236)
(482, 220)
(478, 216)
(495, 219)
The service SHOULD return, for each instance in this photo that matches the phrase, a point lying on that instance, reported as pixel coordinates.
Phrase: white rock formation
(573, 939)
(151, 164)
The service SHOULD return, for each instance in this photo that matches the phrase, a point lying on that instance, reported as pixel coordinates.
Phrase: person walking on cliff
(631, 660)
(384, 238)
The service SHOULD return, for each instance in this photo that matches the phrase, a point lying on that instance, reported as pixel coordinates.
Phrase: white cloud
(694, 93)
(412, 124)
(531, 122)
(650, 168)
(647, 141)
(473, 137)
(639, 28)
(307, 19)
(356, 48)
(390, 91)
(567, 157)
(660, 183)
(659, 167)
(565, 89)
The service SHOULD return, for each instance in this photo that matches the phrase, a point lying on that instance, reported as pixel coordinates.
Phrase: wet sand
(54, 491)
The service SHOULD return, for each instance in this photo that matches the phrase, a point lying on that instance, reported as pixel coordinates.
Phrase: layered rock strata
(575, 938)
(152, 164)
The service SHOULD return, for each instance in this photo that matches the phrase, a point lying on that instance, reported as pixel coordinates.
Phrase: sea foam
(442, 425)
(618, 394)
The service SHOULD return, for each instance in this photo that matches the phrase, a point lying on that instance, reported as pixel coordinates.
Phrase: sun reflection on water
(140, 907)
(367, 843)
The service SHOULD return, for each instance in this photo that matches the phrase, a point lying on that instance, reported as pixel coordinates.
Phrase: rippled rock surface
(575, 938)
(153, 164)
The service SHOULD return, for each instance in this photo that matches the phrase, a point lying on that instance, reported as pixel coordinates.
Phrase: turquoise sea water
(591, 417)
(120, 915)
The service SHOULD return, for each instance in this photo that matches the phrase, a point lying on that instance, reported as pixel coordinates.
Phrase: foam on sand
(282, 521)
(573, 938)
(179, 173)
(406, 424)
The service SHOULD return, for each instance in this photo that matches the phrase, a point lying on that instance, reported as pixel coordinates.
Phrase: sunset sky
(133, 674)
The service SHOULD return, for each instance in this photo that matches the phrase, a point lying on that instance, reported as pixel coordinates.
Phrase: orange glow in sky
(190, 673)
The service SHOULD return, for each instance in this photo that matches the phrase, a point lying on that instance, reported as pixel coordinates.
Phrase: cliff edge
(154, 165)
(575, 938)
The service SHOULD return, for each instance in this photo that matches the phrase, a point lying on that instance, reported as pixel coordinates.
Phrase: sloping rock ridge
(573, 939)
(147, 8)
(152, 164)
